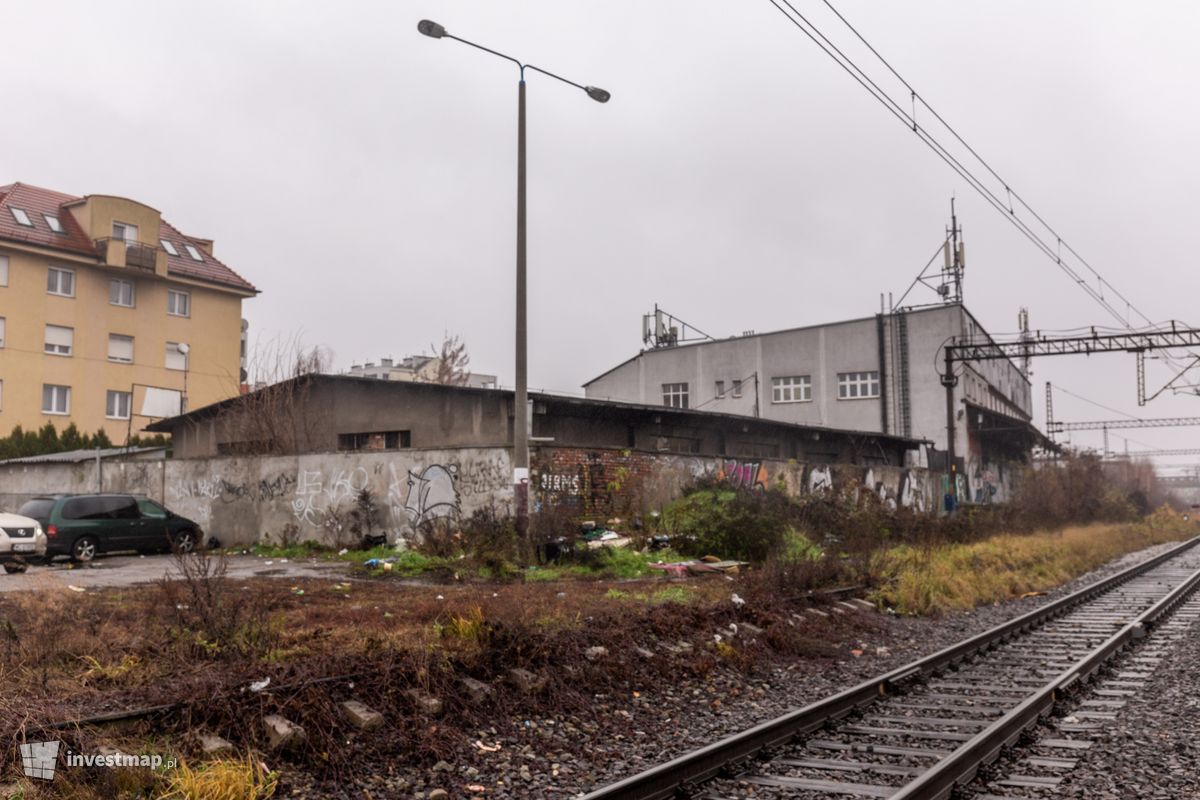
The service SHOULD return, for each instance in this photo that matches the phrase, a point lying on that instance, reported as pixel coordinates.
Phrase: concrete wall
(243, 500)
(603, 483)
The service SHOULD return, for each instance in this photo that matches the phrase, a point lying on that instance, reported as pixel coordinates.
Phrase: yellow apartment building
(109, 316)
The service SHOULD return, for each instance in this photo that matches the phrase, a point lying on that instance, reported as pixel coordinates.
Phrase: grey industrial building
(331, 413)
(879, 374)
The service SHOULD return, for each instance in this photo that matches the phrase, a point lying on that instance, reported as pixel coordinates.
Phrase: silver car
(21, 541)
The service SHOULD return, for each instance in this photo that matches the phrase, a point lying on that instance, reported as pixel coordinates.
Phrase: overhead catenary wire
(1005, 206)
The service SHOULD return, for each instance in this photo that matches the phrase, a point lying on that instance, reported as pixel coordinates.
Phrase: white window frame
(119, 359)
(675, 395)
(113, 410)
(169, 247)
(113, 284)
(173, 350)
(57, 393)
(58, 348)
(173, 303)
(3, 270)
(55, 223)
(720, 390)
(125, 229)
(193, 252)
(21, 217)
(57, 290)
(737, 388)
(858, 385)
(791, 389)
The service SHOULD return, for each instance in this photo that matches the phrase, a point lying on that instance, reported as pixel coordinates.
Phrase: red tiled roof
(36, 201)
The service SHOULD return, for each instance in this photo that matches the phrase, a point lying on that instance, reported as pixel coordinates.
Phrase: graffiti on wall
(317, 495)
(223, 491)
(748, 474)
(820, 480)
(432, 494)
(913, 492)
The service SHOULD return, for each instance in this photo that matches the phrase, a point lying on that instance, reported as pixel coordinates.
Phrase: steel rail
(678, 776)
(960, 766)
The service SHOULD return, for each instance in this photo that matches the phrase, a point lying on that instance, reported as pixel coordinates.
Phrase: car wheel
(84, 549)
(185, 541)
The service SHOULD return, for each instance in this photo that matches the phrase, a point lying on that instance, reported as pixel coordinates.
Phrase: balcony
(133, 255)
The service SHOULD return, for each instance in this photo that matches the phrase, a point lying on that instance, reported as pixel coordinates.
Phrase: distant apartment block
(110, 317)
(415, 368)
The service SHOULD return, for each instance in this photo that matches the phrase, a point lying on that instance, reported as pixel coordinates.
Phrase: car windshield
(38, 509)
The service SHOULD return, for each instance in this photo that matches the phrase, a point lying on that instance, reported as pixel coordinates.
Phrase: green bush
(730, 522)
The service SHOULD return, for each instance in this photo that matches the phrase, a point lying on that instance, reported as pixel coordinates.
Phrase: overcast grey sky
(363, 176)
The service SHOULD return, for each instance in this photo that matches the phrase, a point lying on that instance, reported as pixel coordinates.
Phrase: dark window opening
(378, 440)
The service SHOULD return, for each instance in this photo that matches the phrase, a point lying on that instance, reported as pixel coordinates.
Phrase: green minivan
(84, 525)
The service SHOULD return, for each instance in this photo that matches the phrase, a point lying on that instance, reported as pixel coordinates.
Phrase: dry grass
(948, 576)
(222, 779)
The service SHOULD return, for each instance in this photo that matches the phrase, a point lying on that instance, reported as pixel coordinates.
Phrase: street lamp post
(521, 395)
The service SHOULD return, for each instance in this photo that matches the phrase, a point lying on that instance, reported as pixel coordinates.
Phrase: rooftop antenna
(660, 329)
(947, 281)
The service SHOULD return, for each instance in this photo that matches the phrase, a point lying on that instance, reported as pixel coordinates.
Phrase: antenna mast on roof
(660, 329)
(947, 281)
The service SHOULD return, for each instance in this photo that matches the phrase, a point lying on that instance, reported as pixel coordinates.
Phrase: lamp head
(431, 29)
(597, 94)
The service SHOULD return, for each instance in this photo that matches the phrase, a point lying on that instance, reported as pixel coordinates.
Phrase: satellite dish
(183, 348)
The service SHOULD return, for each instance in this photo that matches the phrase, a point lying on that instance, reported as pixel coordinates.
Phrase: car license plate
(25, 547)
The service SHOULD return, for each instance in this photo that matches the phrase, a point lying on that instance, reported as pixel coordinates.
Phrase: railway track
(917, 732)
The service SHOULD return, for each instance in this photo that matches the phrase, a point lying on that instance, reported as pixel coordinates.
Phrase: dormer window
(54, 223)
(170, 248)
(21, 217)
(193, 252)
(124, 232)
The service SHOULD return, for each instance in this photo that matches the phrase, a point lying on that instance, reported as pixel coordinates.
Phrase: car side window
(151, 509)
(86, 508)
(123, 507)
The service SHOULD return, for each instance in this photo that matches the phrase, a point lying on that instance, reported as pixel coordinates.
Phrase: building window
(120, 348)
(193, 252)
(124, 232)
(60, 341)
(170, 248)
(179, 304)
(118, 404)
(675, 395)
(857, 385)
(21, 217)
(737, 388)
(61, 282)
(120, 293)
(54, 223)
(791, 389)
(720, 389)
(381, 440)
(3, 270)
(56, 399)
(2, 331)
(177, 355)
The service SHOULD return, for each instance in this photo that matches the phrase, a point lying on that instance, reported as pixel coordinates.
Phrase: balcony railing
(122, 253)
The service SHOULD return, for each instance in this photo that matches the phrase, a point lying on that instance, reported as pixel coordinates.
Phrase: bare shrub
(210, 617)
